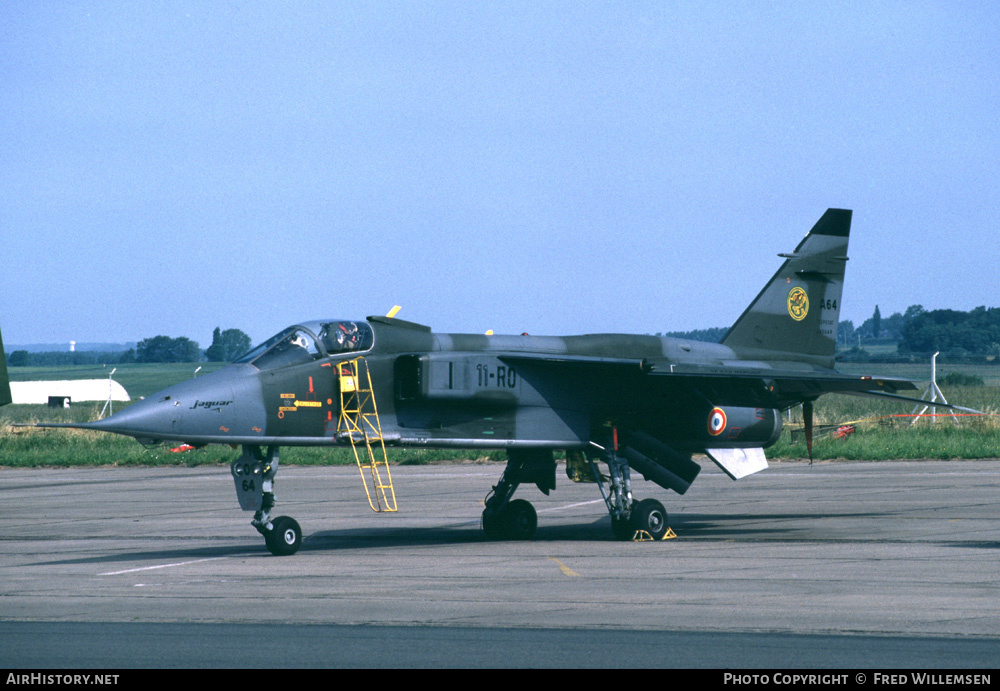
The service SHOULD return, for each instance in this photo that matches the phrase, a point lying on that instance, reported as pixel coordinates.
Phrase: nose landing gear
(253, 473)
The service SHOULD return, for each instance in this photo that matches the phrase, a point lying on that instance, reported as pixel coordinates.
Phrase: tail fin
(4, 381)
(798, 311)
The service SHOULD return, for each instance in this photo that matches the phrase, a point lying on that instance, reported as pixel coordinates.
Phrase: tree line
(953, 333)
(226, 346)
(915, 332)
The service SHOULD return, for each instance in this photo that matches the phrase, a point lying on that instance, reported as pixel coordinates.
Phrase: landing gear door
(253, 473)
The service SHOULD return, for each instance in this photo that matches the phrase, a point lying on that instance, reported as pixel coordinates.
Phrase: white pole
(934, 384)
(109, 406)
(934, 391)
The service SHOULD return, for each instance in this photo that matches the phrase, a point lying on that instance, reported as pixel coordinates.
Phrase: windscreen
(299, 344)
(293, 346)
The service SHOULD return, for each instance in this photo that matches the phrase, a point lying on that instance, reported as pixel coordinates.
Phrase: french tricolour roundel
(716, 421)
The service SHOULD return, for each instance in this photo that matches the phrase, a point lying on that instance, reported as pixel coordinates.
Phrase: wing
(729, 384)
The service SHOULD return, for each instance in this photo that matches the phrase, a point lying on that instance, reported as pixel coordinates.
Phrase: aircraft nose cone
(151, 419)
(197, 408)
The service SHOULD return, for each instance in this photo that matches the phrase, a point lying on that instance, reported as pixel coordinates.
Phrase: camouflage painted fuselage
(464, 390)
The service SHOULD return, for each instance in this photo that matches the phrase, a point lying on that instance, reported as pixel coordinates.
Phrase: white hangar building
(76, 390)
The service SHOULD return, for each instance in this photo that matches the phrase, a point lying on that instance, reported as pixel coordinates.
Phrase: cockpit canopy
(310, 341)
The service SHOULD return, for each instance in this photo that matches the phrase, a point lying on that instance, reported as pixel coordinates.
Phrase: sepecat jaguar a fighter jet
(630, 402)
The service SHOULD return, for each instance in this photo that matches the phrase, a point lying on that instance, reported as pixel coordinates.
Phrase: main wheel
(649, 515)
(622, 528)
(519, 520)
(285, 538)
(492, 526)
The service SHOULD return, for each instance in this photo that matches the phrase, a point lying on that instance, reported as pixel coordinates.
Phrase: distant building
(76, 390)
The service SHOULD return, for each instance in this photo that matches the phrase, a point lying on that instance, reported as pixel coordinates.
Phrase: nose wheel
(284, 538)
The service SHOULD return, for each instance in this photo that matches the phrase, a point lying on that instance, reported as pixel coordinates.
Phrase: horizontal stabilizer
(738, 463)
(909, 399)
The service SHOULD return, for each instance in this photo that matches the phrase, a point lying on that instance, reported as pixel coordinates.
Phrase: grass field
(889, 430)
(139, 380)
(881, 429)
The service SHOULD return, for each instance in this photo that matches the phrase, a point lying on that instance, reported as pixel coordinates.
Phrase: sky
(543, 167)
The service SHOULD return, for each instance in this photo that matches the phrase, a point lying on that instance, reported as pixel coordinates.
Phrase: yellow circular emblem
(798, 303)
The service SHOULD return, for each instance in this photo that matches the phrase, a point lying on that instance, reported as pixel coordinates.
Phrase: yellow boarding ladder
(359, 421)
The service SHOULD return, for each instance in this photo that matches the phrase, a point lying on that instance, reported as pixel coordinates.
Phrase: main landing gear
(507, 519)
(630, 520)
(504, 519)
(253, 473)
